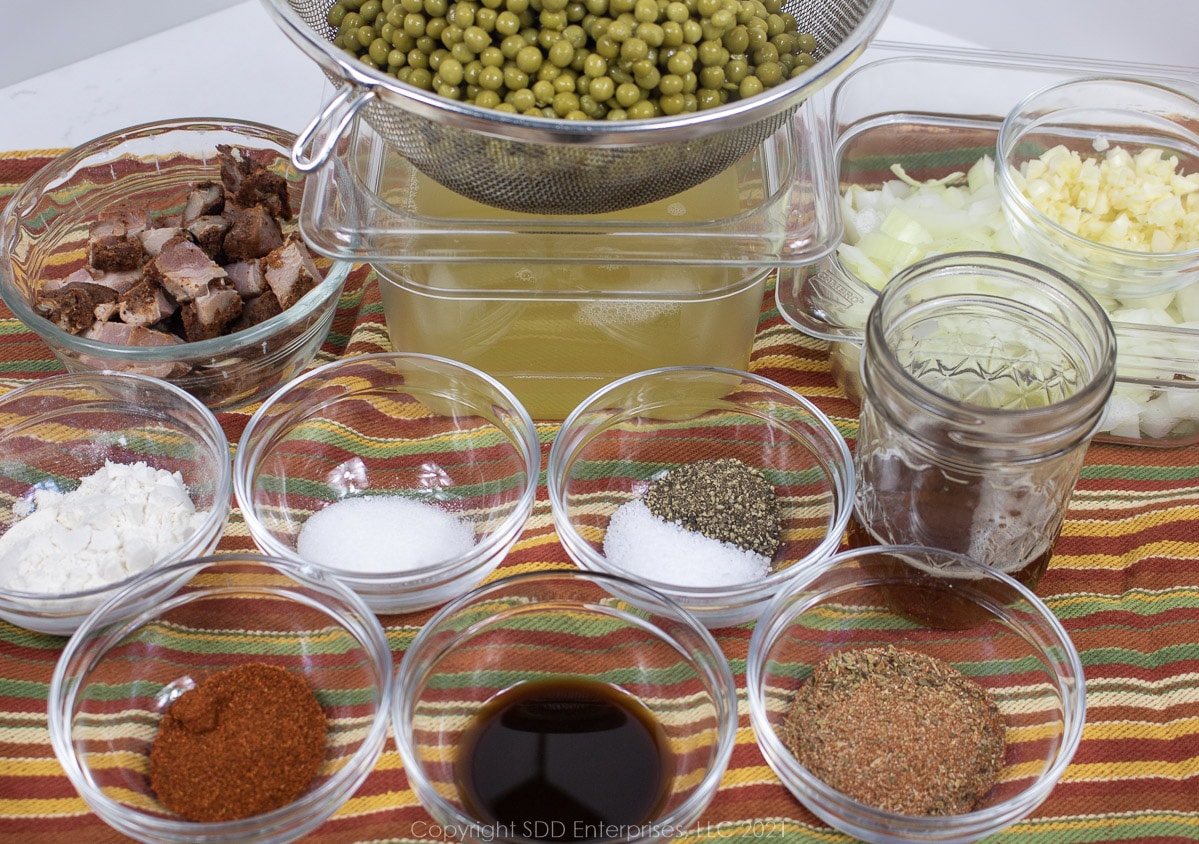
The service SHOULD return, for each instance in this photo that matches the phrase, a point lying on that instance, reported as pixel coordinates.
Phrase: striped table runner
(1124, 581)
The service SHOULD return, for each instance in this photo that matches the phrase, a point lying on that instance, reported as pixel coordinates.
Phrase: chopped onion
(904, 220)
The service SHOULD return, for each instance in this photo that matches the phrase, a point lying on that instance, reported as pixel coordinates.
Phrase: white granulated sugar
(383, 533)
(643, 545)
(117, 522)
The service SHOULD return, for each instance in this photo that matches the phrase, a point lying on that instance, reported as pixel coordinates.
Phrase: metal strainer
(546, 166)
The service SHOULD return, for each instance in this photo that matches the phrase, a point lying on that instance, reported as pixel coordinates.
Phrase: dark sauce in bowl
(566, 759)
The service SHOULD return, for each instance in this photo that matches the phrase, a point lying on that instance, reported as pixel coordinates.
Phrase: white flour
(118, 521)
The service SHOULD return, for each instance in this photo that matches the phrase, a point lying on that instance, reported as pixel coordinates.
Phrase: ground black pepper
(899, 730)
(244, 741)
(724, 499)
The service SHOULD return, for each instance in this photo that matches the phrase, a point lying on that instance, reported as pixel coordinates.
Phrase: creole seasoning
(899, 730)
(723, 499)
(244, 741)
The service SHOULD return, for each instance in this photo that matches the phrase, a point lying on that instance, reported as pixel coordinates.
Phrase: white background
(74, 69)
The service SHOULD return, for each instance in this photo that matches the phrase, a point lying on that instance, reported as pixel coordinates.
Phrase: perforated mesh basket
(547, 166)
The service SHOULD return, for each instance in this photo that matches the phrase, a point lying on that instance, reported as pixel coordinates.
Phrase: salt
(642, 545)
(383, 533)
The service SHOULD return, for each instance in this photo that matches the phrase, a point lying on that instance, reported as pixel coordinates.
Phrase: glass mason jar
(985, 377)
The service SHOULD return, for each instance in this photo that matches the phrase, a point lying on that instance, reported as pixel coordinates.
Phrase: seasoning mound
(709, 523)
(899, 730)
(244, 741)
(724, 499)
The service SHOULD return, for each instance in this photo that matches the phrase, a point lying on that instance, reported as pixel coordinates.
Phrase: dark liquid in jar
(564, 760)
(926, 598)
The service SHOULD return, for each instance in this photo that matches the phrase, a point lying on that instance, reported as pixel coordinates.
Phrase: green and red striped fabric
(1124, 581)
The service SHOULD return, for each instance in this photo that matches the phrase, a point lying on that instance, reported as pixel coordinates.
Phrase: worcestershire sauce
(564, 760)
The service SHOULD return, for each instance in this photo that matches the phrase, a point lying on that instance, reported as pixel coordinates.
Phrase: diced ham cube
(184, 270)
(290, 272)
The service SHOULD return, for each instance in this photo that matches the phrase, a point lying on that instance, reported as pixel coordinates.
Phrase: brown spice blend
(898, 730)
(244, 741)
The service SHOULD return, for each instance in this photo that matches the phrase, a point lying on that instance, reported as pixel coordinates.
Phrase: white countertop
(236, 63)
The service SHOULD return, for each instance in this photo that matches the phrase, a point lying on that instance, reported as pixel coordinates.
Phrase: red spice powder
(244, 741)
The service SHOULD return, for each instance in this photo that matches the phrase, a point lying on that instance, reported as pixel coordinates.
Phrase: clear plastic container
(556, 307)
(936, 113)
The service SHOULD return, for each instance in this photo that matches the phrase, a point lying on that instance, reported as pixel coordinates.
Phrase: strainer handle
(326, 129)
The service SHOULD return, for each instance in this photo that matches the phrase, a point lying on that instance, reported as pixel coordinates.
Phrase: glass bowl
(1092, 116)
(128, 662)
(441, 440)
(44, 235)
(635, 430)
(576, 625)
(64, 428)
(980, 621)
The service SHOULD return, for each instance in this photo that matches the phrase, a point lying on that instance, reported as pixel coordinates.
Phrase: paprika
(244, 741)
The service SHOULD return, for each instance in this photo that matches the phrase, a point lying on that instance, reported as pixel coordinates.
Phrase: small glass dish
(1092, 117)
(44, 235)
(64, 428)
(558, 625)
(944, 605)
(127, 663)
(391, 429)
(635, 430)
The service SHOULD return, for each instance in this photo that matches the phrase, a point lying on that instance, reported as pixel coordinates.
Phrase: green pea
(616, 114)
(515, 78)
(564, 81)
(378, 50)
(396, 58)
(451, 71)
(487, 99)
(736, 70)
(679, 63)
(627, 94)
(565, 102)
(769, 73)
(543, 91)
(634, 50)
(507, 23)
(370, 10)
(485, 19)
(642, 110)
(465, 55)
(351, 21)
(421, 78)
(529, 59)
(562, 53)
(712, 77)
(671, 83)
(418, 59)
(491, 78)
(476, 38)
(553, 20)
(749, 86)
(672, 34)
(804, 60)
(602, 88)
(595, 65)
(335, 14)
(492, 57)
(646, 11)
(366, 35)
(403, 41)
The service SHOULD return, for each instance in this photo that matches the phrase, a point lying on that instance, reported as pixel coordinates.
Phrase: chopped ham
(207, 316)
(209, 234)
(203, 200)
(145, 304)
(109, 247)
(120, 334)
(133, 219)
(73, 308)
(247, 278)
(119, 280)
(256, 310)
(153, 239)
(249, 183)
(254, 234)
(290, 272)
(184, 269)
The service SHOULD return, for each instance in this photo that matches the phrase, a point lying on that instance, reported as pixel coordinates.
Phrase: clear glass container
(985, 377)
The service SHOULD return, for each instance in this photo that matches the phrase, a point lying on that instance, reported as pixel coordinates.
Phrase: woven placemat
(1124, 581)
